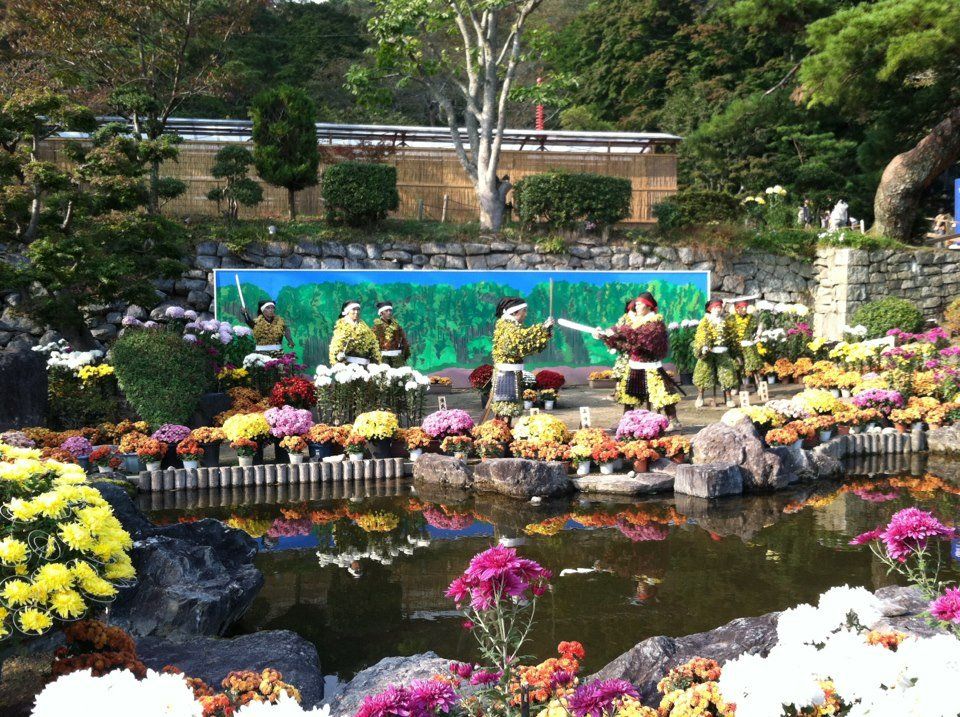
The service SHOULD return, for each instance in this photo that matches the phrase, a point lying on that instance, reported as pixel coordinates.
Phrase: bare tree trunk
(491, 206)
(291, 204)
(910, 173)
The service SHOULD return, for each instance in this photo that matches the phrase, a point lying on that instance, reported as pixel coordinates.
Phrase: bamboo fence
(431, 182)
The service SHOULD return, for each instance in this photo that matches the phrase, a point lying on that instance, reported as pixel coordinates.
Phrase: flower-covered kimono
(512, 343)
(394, 347)
(643, 339)
(353, 343)
(744, 327)
(715, 365)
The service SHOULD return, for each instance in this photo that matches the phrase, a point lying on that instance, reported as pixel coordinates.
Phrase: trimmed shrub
(562, 198)
(161, 375)
(696, 206)
(358, 193)
(888, 313)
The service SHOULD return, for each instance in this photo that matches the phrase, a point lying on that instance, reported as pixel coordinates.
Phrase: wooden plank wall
(427, 175)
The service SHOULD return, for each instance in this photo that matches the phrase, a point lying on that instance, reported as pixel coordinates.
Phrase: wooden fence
(425, 177)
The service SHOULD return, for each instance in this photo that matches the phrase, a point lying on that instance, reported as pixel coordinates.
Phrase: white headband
(388, 307)
(269, 303)
(514, 309)
(349, 307)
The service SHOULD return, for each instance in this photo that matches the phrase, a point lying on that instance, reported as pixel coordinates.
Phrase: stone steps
(175, 479)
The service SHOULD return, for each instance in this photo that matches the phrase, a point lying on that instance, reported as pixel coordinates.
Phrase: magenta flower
(438, 519)
(596, 698)
(288, 421)
(392, 702)
(947, 607)
(453, 422)
(909, 530)
(641, 424)
(486, 677)
(426, 697)
(879, 398)
(461, 669)
(495, 574)
(867, 537)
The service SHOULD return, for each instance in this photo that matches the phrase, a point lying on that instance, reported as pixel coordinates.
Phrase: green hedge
(695, 206)
(562, 198)
(358, 193)
(889, 313)
(161, 375)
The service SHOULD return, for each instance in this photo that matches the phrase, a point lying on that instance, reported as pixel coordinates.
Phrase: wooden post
(441, 403)
(763, 392)
(446, 203)
(420, 210)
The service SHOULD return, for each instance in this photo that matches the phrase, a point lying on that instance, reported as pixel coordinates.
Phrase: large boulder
(521, 478)
(629, 484)
(23, 385)
(389, 671)
(192, 578)
(944, 440)
(709, 480)
(212, 658)
(646, 663)
(447, 471)
(735, 440)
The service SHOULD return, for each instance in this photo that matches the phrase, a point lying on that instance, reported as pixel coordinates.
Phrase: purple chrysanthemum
(947, 606)
(392, 702)
(596, 698)
(427, 697)
(485, 677)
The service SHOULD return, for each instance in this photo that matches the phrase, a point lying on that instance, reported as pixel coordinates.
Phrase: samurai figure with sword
(746, 330)
(512, 343)
(643, 338)
(269, 329)
(715, 363)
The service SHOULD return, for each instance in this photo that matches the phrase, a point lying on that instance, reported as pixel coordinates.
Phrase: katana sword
(566, 323)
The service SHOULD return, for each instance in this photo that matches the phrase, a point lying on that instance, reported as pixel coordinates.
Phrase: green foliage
(582, 118)
(796, 242)
(359, 193)
(888, 313)
(452, 326)
(230, 164)
(696, 206)
(552, 244)
(161, 375)
(849, 239)
(75, 403)
(285, 140)
(562, 198)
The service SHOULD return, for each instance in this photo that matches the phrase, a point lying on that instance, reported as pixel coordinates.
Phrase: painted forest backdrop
(449, 316)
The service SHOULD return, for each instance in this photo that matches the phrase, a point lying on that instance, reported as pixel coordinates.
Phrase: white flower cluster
(782, 308)
(776, 189)
(255, 360)
(59, 355)
(790, 408)
(380, 373)
(120, 694)
(858, 331)
(773, 336)
(823, 643)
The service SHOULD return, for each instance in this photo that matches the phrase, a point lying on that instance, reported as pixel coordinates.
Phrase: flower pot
(583, 468)
(211, 455)
(603, 383)
(84, 462)
(641, 465)
(415, 453)
(296, 458)
(380, 447)
(130, 462)
(356, 457)
(527, 405)
(548, 405)
(844, 393)
(170, 458)
(245, 461)
(104, 469)
(607, 468)
(843, 430)
(153, 466)
(321, 450)
(189, 465)
(771, 379)
(825, 436)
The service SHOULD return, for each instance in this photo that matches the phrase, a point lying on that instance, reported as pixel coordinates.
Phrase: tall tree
(467, 54)
(285, 148)
(156, 54)
(898, 50)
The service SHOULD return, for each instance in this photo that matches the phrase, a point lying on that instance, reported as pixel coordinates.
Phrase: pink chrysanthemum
(596, 698)
(428, 696)
(909, 530)
(867, 537)
(947, 606)
(495, 574)
(485, 677)
(392, 702)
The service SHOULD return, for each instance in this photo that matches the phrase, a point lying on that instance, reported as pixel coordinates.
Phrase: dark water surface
(360, 570)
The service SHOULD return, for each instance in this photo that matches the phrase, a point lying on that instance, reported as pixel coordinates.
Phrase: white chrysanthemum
(859, 671)
(761, 687)
(836, 603)
(801, 625)
(117, 694)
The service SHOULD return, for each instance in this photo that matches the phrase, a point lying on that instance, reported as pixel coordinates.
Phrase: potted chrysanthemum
(246, 449)
(105, 459)
(151, 452)
(581, 457)
(190, 453)
(379, 428)
(457, 446)
(295, 446)
(549, 398)
(354, 446)
(606, 455)
(416, 440)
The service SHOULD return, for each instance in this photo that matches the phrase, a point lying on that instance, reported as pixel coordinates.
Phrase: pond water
(361, 569)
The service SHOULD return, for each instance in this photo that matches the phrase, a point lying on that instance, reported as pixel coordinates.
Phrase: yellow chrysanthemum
(76, 536)
(53, 577)
(50, 504)
(12, 551)
(97, 586)
(16, 592)
(119, 570)
(34, 621)
(67, 604)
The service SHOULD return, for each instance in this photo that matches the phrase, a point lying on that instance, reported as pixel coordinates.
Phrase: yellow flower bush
(376, 425)
(377, 522)
(764, 416)
(252, 426)
(820, 401)
(541, 427)
(61, 546)
(856, 353)
(93, 373)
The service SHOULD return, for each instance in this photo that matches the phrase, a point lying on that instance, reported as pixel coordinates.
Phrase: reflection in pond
(361, 569)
